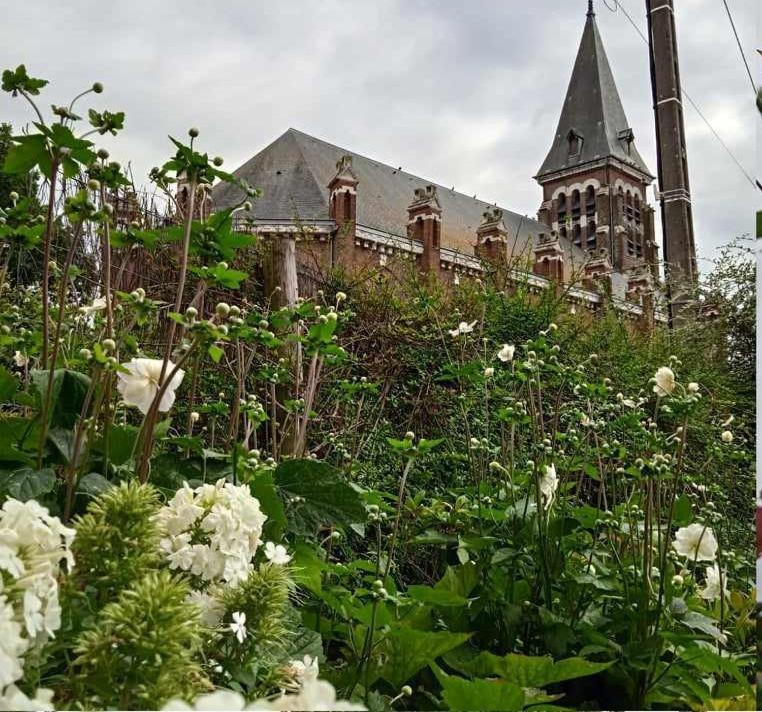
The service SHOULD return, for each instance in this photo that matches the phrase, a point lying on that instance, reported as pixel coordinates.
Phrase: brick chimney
(597, 270)
(492, 237)
(424, 223)
(343, 197)
(549, 257)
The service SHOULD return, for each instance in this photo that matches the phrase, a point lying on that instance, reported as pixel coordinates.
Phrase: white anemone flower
(99, 304)
(696, 542)
(714, 589)
(665, 381)
(139, 386)
(548, 485)
(20, 359)
(277, 554)
(506, 353)
(238, 626)
(463, 328)
(489, 372)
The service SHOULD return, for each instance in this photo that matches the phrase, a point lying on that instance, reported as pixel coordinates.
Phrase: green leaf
(121, 441)
(263, 488)
(27, 483)
(215, 352)
(528, 671)
(410, 650)
(460, 694)
(436, 596)
(28, 152)
(93, 484)
(8, 385)
(683, 514)
(317, 496)
(19, 80)
(69, 390)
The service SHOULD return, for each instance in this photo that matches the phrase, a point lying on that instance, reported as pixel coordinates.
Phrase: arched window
(592, 239)
(590, 201)
(561, 208)
(575, 205)
(347, 206)
(577, 235)
(628, 205)
(637, 212)
(575, 142)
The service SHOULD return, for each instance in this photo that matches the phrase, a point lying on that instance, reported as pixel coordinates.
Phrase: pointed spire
(593, 125)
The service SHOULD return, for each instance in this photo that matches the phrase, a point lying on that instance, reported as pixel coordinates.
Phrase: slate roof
(293, 173)
(592, 109)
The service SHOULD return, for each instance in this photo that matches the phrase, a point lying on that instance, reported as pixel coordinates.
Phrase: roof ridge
(488, 203)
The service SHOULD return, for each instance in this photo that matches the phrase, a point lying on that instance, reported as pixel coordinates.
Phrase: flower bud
(86, 354)
(103, 154)
(93, 184)
(194, 417)
(727, 436)
(406, 690)
(218, 161)
(109, 345)
(693, 387)
(409, 435)
(13, 195)
(97, 88)
(222, 309)
(193, 132)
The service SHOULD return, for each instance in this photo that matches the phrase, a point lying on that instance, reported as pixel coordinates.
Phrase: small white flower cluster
(314, 694)
(32, 546)
(212, 531)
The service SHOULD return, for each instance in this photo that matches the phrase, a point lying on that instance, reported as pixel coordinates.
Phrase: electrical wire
(740, 46)
(755, 183)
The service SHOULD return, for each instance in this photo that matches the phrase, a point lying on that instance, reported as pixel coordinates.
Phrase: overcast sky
(462, 92)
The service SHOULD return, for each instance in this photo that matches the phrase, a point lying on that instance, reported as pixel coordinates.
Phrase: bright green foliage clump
(142, 651)
(117, 542)
(263, 598)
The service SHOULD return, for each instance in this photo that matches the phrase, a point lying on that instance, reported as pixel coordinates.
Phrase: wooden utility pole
(674, 188)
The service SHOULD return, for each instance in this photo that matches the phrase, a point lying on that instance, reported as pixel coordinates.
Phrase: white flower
(313, 695)
(506, 353)
(305, 670)
(12, 644)
(277, 554)
(693, 387)
(14, 699)
(194, 416)
(138, 388)
(217, 700)
(340, 296)
(20, 359)
(238, 626)
(223, 521)
(585, 420)
(727, 436)
(489, 372)
(695, 541)
(99, 304)
(463, 328)
(665, 381)
(727, 423)
(548, 485)
(629, 403)
(713, 589)
(212, 609)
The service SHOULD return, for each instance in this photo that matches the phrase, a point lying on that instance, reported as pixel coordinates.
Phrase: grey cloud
(464, 93)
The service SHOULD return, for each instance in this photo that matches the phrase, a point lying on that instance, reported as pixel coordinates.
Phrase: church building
(594, 228)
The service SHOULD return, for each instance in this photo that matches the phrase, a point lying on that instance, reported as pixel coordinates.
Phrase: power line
(740, 46)
(756, 184)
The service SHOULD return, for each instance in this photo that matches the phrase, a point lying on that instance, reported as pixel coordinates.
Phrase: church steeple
(593, 125)
(593, 179)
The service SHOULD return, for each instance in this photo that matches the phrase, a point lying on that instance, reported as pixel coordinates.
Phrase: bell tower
(593, 179)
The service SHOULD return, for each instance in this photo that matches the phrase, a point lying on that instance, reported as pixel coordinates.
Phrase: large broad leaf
(526, 670)
(69, 390)
(8, 385)
(263, 488)
(93, 484)
(436, 596)
(409, 651)
(27, 483)
(316, 496)
(461, 694)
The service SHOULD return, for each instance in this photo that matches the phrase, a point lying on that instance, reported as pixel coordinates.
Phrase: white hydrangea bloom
(313, 695)
(32, 546)
(14, 699)
(695, 541)
(212, 531)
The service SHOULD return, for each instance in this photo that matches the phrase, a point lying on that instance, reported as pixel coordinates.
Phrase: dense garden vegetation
(390, 495)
